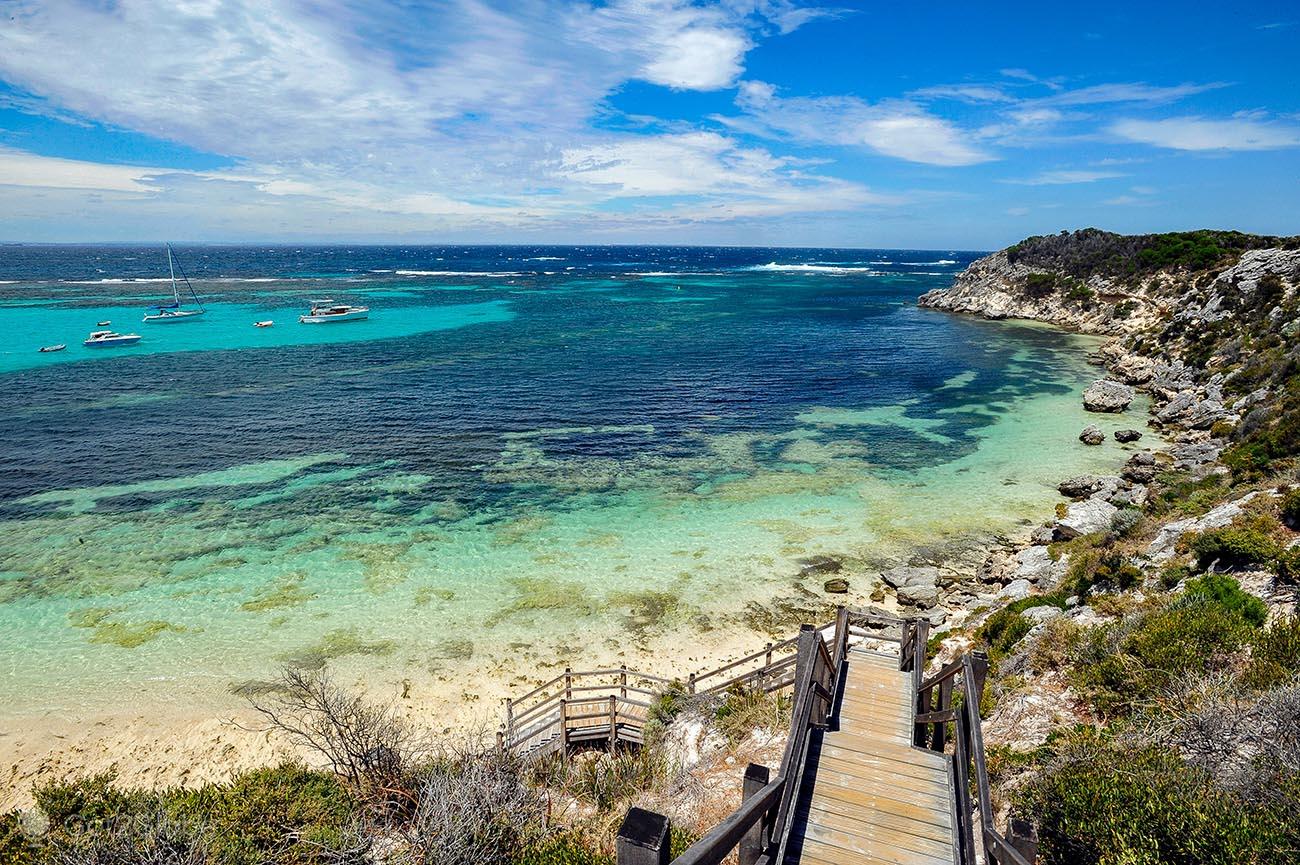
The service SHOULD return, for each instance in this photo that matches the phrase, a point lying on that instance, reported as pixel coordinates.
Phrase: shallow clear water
(519, 445)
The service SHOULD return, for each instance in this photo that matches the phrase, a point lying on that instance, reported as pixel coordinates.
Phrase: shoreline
(161, 745)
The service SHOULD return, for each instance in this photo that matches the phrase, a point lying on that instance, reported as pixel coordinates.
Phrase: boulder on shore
(1140, 468)
(836, 585)
(1127, 435)
(1105, 395)
(1092, 435)
(1085, 518)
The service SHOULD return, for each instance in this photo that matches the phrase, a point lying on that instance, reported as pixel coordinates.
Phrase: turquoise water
(504, 461)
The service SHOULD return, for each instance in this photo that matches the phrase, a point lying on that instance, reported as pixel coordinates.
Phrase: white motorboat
(325, 311)
(174, 311)
(105, 338)
(48, 348)
(266, 323)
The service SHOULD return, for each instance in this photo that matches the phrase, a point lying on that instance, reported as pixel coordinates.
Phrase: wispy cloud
(901, 129)
(1199, 133)
(1064, 177)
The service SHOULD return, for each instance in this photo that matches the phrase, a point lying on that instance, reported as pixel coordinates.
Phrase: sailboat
(173, 311)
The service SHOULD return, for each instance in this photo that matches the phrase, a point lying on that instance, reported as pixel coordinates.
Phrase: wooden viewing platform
(882, 765)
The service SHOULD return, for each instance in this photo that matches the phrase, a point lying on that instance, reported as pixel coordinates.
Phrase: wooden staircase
(872, 798)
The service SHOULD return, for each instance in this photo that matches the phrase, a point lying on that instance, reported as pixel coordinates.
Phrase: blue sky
(763, 122)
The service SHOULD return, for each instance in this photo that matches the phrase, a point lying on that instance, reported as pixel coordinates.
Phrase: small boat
(105, 338)
(173, 311)
(103, 324)
(324, 311)
(60, 347)
(266, 323)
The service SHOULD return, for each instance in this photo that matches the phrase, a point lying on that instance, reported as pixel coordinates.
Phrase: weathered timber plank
(905, 837)
(828, 812)
(937, 784)
(909, 761)
(834, 785)
(876, 848)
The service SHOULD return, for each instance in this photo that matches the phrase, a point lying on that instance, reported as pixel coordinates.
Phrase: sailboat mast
(172, 269)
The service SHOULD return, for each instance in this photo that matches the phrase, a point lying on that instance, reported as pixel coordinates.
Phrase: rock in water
(1082, 486)
(1092, 435)
(1104, 395)
(836, 585)
(915, 586)
(1127, 435)
(819, 565)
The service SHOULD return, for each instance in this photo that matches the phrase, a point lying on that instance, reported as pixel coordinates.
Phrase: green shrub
(1290, 507)
(86, 804)
(1003, 629)
(1126, 522)
(1098, 803)
(1108, 570)
(561, 849)
(1124, 309)
(283, 814)
(1079, 293)
(1247, 541)
(16, 848)
(1275, 654)
(1123, 665)
(1288, 567)
(1227, 593)
(1180, 493)
(1172, 575)
(1040, 285)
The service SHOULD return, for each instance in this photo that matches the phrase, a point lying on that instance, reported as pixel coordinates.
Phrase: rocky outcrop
(1127, 435)
(1104, 395)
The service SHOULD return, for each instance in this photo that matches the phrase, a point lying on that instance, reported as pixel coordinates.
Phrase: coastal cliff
(1145, 674)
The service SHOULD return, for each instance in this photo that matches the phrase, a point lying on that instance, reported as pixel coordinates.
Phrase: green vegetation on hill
(1091, 251)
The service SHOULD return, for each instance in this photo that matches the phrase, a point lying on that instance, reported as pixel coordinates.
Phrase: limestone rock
(814, 565)
(1127, 435)
(1104, 395)
(1015, 590)
(1079, 487)
(1045, 613)
(1035, 565)
(918, 596)
(1085, 518)
(1163, 547)
(910, 576)
(1134, 369)
(1140, 468)
(1092, 435)
(836, 585)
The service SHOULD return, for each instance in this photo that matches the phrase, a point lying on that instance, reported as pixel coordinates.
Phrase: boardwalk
(871, 798)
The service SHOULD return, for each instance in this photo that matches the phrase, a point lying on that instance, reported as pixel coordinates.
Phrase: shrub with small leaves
(1249, 540)
(1289, 507)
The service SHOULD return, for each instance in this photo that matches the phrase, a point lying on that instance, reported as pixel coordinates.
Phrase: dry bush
(367, 744)
(474, 807)
(151, 837)
(1242, 739)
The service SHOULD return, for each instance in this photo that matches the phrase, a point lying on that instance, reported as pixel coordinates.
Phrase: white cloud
(699, 59)
(1198, 133)
(1058, 178)
(1102, 94)
(899, 129)
(18, 168)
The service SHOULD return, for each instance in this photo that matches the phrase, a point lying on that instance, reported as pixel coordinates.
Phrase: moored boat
(47, 348)
(174, 311)
(106, 338)
(327, 310)
(266, 323)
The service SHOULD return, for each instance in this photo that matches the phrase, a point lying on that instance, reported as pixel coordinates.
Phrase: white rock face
(1015, 590)
(1085, 518)
(1162, 548)
(1035, 565)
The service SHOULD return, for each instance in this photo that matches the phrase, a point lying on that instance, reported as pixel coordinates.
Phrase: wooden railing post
(622, 681)
(922, 699)
(568, 683)
(754, 841)
(690, 684)
(564, 728)
(941, 727)
(613, 722)
(510, 717)
(643, 838)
